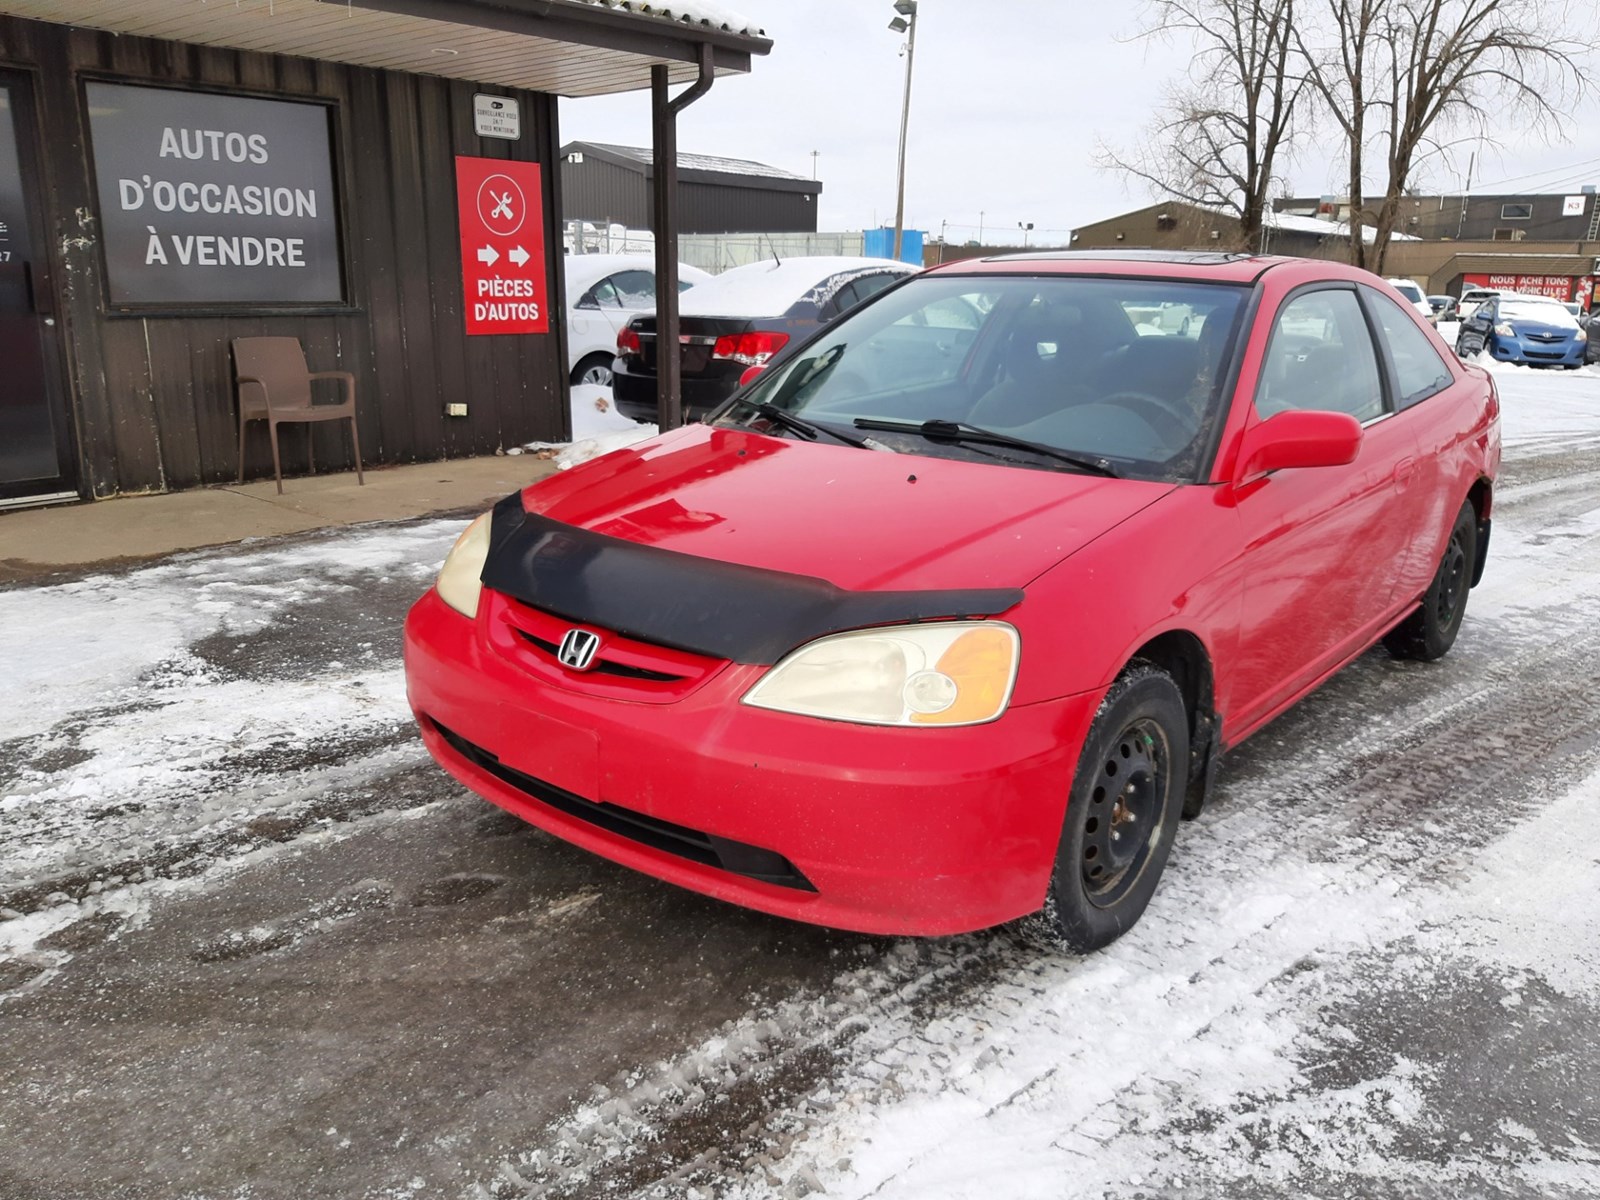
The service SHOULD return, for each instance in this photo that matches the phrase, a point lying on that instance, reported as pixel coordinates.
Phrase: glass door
(35, 450)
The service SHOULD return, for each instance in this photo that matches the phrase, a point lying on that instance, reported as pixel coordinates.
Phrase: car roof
(583, 271)
(1199, 266)
(771, 287)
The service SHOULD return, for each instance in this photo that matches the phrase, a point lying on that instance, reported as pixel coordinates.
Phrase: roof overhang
(691, 174)
(1488, 263)
(562, 47)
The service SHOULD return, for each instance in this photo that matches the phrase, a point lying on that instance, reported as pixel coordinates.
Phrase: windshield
(1409, 290)
(1123, 372)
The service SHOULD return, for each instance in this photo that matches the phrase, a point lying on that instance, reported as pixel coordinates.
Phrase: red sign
(502, 246)
(1558, 287)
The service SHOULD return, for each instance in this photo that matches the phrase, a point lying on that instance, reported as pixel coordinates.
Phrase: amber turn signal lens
(981, 661)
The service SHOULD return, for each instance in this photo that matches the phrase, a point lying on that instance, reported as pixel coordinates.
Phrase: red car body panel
(730, 495)
(1280, 581)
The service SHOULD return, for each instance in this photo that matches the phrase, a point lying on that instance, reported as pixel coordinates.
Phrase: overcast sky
(1009, 100)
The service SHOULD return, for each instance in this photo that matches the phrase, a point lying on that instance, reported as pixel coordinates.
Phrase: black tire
(1100, 885)
(594, 365)
(1429, 632)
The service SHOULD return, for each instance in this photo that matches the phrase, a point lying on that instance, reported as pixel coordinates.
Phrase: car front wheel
(1430, 631)
(1122, 814)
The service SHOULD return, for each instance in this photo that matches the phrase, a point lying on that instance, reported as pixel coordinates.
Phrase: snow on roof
(1297, 224)
(769, 289)
(583, 271)
(1291, 223)
(686, 12)
(701, 162)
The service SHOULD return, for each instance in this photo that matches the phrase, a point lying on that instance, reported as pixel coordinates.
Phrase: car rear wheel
(1430, 631)
(1122, 814)
(595, 369)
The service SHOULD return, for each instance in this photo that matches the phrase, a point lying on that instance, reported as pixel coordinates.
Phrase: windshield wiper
(781, 416)
(960, 431)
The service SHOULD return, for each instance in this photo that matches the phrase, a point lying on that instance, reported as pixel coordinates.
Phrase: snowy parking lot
(254, 944)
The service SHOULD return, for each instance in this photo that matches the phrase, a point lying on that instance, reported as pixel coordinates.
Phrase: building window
(1516, 212)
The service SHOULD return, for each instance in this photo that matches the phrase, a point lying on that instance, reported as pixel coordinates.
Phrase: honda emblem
(577, 650)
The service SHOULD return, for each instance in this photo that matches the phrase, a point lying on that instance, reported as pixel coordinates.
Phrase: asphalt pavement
(254, 944)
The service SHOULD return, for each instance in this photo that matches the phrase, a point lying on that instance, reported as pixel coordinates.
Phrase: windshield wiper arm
(960, 431)
(782, 416)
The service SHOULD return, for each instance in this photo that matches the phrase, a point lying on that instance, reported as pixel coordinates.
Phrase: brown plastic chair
(274, 386)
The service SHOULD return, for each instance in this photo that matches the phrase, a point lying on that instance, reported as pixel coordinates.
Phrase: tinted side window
(871, 285)
(1321, 357)
(845, 298)
(1420, 370)
(635, 289)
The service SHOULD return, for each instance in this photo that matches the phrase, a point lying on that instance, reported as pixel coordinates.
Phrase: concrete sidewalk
(40, 541)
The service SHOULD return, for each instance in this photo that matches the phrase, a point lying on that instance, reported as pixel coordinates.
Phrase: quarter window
(1419, 369)
(1321, 357)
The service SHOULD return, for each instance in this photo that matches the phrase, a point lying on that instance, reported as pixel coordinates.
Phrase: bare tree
(1343, 73)
(1454, 59)
(1400, 75)
(1230, 120)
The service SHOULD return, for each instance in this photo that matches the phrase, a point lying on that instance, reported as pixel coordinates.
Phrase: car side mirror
(1298, 438)
(749, 374)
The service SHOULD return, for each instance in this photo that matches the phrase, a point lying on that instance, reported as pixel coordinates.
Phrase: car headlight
(458, 584)
(1505, 330)
(946, 673)
(1581, 336)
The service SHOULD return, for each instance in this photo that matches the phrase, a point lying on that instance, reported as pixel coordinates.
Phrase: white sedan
(603, 291)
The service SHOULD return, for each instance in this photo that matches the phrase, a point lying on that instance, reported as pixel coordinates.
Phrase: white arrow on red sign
(488, 255)
(519, 256)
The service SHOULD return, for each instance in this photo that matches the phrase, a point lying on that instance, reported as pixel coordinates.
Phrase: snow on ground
(130, 696)
(597, 428)
(1273, 1026)
(1372, 881)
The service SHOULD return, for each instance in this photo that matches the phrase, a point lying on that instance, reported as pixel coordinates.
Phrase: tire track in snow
(1383, 800)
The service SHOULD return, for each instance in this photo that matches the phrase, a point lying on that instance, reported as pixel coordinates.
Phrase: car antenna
(774, 250)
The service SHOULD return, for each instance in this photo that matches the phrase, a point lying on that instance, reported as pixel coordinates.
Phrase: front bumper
(1544, 354)
(879, 830)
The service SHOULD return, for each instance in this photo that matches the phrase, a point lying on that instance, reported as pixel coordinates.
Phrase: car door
(1322, 545)
(1428, 406)
(1475, 329)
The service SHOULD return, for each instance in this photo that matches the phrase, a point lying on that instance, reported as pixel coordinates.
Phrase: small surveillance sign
(496, 117)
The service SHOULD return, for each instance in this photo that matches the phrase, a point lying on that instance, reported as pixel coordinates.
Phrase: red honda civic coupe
(948, 616)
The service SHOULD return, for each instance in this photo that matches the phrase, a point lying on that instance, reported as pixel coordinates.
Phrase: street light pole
(905, 23)
(1026, 228)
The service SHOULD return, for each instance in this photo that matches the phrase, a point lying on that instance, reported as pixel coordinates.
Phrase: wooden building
(176, 174)
(602, 183)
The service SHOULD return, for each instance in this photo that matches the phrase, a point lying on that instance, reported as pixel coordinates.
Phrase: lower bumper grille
(737, 858)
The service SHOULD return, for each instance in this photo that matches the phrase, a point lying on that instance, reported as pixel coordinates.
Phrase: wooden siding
(153, 399)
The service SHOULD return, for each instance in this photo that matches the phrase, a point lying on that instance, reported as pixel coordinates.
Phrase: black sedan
(741, 319)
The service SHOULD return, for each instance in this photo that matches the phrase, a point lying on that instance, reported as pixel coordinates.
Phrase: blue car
(1534, 330)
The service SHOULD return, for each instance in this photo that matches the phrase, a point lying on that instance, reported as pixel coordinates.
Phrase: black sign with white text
(213, 199)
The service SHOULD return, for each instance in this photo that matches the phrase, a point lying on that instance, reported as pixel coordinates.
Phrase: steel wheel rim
(1452, 574)
(600, 376)
(1124, 810)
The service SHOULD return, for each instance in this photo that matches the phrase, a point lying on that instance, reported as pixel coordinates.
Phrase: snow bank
(597, 428)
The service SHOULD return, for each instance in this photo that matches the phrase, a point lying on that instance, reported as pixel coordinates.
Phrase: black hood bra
(700, 605)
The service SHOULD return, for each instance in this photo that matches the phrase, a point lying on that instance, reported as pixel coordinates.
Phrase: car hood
(862, 520)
